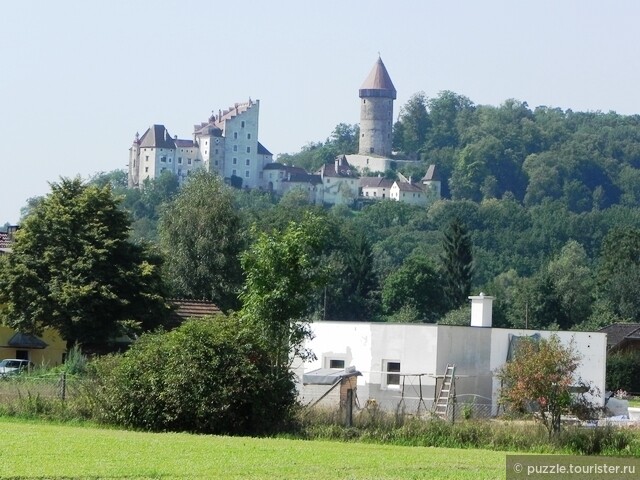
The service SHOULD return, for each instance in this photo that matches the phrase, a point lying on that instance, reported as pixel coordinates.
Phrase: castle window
(235, 135)
(170, 160)
(216, 163)
(206, 143)
(235, 148)
(248, 149)
(179, 171)
(233, 172)
(179, 160)
(248, 136)
(248, 162)
(146, 158)
(205, 152)
(215, 151)
(242, 124)
(235, 161)
(246, 173)
(370, 149)
(189, 161)
(146, 169)
(163, 159)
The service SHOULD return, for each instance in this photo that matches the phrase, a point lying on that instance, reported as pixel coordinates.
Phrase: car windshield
(10, 363)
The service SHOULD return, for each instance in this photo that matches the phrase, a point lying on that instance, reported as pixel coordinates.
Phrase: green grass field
(43, 450)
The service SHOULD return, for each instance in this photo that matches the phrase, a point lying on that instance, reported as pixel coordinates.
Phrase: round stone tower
(377, 94)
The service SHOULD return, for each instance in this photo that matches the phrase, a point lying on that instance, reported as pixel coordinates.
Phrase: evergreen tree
(457, 264)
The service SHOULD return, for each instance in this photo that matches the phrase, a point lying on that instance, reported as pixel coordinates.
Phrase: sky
(79, 78)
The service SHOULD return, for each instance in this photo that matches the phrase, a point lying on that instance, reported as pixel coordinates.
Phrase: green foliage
(457, 264)
(75, 362)
(207, 376)
(416, 286)
(74, 269)
(201, 237)
(283, 272)
(623, 371)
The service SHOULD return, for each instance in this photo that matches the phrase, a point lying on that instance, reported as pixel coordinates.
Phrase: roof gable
(378, 83)
(157, 136)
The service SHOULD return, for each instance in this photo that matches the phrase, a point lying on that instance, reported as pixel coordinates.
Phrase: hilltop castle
(228, 144)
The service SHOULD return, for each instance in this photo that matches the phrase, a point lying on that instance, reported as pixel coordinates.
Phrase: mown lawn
(35, 449)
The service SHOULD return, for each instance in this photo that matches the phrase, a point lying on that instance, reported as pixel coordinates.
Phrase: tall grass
(511, 435)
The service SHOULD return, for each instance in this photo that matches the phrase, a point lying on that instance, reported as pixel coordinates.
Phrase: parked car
(12, 366)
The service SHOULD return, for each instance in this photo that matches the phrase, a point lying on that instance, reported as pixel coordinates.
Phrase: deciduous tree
(201, 237)
(540, 376)
(73, 268)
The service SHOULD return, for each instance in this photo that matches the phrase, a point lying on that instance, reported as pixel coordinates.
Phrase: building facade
(226, 144)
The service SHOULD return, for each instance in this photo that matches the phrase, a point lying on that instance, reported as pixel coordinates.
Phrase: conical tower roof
(378, 83)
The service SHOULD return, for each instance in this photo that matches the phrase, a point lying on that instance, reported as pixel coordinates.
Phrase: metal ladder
(446, 392)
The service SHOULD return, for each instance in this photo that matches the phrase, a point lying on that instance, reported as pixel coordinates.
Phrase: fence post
(349, 410)
(63, 386)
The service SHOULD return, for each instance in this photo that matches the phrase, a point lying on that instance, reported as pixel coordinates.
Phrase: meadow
(47, 450)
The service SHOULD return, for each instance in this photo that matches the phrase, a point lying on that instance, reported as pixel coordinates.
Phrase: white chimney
(481, 310)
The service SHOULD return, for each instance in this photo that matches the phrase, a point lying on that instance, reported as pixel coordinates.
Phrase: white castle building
(227, 144)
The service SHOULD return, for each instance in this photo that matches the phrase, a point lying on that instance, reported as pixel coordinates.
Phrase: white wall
(427, 349)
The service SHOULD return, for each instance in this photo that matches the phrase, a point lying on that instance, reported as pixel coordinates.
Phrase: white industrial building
(400, 363)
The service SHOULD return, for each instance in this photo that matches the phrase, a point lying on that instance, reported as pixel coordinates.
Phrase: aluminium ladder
(446, 393)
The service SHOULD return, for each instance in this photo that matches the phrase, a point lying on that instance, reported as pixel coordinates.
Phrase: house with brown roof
(376, 187)
(340, 182)
(622, 336)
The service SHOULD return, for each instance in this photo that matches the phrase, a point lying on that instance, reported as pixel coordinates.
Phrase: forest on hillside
(545, 199)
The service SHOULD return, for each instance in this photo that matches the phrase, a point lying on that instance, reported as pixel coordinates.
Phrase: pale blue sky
(79, 78)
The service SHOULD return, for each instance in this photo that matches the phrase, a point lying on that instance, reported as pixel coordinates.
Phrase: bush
(623, 371)
(207, 376)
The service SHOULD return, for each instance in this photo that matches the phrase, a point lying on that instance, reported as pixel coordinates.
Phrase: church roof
(378, 83)
(157, 136)
(431, 175)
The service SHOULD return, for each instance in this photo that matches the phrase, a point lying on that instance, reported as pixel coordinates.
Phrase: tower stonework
(377, 94)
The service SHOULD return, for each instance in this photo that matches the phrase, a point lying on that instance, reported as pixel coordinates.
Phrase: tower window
(242, 124)
(248, 136)
(235, 148)
(235, 161)
(235, 135)
(246, 173)
(248, 149)
(370, 149)
(248, 162)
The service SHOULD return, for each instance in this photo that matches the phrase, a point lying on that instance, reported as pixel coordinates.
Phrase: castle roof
(184, 143)
(262, 150)
(378, 83)
(431, 175)
(157, 136)
(408, 187)
(376, 182)
(339, 168)
(303, 178)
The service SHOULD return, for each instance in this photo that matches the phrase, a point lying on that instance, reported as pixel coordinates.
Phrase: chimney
(337, 165)
(481, 310)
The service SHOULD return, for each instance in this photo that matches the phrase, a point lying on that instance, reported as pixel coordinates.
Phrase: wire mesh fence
(58, 386)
